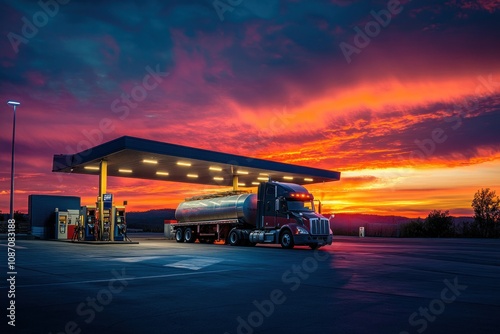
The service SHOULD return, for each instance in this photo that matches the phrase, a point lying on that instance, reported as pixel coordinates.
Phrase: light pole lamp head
(13, 103)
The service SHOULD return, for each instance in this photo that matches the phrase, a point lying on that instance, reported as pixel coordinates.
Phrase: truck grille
(320, 226)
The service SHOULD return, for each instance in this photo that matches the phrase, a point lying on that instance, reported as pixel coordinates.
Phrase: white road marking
(16, 246)
(134, 259)
(195, 263)
(132, 278)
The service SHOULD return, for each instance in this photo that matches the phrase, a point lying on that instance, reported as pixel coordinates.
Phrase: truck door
(269, 206)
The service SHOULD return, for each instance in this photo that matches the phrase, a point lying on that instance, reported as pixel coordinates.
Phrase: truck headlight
(301, 230)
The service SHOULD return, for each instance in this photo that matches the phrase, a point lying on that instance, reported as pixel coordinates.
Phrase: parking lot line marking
(196, 263)
(131, 278)
(16, 246)
(134, 259)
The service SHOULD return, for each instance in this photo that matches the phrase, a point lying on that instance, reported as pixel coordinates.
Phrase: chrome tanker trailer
(279, 213)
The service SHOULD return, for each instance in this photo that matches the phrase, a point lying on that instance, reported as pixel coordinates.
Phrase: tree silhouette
(438, 223)
(486, 207)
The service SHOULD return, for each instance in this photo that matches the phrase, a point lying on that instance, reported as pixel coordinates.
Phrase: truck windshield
(300, 206)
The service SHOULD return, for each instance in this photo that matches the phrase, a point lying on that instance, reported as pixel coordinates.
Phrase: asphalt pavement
(356, 285)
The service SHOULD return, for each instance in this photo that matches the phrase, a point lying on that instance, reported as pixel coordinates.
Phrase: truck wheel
(234, 238)
(189, 235)
(179, 236)
(286, 239)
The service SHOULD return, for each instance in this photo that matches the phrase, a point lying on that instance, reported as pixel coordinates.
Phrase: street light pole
(14, 104)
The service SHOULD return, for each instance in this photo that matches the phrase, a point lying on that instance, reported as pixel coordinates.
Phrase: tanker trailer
(237, 207)
(279, 213)
(213, 218)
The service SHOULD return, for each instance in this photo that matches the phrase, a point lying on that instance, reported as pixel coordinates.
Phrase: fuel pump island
(64, 218)
(281, 212)
(111, 228)
(84, 224)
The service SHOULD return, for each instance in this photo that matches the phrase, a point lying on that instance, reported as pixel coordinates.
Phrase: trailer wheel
(189, 235)
(179, 236)
(286, 239)
(234, 238)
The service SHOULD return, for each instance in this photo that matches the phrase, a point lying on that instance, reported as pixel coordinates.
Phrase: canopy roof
(147, 159)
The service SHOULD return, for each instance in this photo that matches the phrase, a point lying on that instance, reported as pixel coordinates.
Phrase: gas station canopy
(147, 159)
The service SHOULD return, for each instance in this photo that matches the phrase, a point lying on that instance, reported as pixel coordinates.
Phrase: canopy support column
(235, 182)
(103, 181)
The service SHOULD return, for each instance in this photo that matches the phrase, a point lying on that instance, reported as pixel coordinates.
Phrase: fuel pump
(104, 225)
(73, 221)
(118, 222)
(61, 224)
(88, 217)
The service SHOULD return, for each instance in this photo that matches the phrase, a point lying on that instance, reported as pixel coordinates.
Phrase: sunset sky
(402, 97)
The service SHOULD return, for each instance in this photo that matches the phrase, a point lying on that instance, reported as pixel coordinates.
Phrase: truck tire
(234, 238)
(286, 239)
(179, 236)
(189, 235)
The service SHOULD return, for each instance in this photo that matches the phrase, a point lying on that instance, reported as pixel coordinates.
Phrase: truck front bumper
(306, 239)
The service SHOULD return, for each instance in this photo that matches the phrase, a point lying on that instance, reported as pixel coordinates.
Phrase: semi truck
(280, 213)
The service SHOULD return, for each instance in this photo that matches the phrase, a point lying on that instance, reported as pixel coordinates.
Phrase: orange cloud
(386, 96)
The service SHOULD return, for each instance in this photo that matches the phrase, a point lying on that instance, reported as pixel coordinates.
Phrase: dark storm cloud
(90, 49)
(304, 50)
(86, 41)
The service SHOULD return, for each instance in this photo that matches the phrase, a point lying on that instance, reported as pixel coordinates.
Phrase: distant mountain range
(154, 219)
(360, 218)
(158, 216)
(381, 219)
